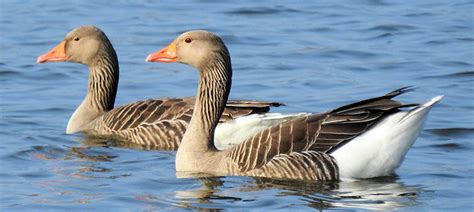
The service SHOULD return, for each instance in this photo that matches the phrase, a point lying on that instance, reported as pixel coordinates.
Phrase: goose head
(81, 45)
(197, 48)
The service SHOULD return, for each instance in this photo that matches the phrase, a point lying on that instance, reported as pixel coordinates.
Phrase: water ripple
(452, 132)
(253, 11)
(391, 27)
(9, 73)
(450, 146)
(460, 75)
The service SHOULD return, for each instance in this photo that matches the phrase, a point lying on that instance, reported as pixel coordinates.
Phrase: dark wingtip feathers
(277, 104)
(387, 96)
(400, 91)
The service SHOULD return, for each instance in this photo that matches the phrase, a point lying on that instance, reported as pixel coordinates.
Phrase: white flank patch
(234, 132)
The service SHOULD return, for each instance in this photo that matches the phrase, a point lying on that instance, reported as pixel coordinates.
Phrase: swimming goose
(365, 139)
(154, 123)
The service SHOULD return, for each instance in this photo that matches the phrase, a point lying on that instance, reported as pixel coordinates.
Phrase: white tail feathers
(381, 150)
(426, 106)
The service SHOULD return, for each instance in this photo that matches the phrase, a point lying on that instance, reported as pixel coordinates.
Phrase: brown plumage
(154, 123)
(293, 141)
(299, 148)
(161, 123)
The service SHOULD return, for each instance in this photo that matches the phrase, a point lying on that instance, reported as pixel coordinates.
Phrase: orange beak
(57, 54)
(165, 55)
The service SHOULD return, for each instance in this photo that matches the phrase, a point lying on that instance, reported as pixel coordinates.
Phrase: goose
(365, 139)
(154, 123)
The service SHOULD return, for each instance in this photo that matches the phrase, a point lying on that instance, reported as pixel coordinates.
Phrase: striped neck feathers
(103, 83)
(213, 90)
(101, 92)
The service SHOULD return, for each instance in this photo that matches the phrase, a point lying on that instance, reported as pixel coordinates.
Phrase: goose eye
(76, 38)
(187, 40)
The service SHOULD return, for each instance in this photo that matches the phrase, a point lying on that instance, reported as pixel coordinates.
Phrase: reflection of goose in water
(78, 171)
(206, 192)
(377, 194)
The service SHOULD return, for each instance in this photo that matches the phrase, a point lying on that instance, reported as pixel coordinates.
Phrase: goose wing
(155, 110)
(144, 112)
(161, 123)
(321, 133)
(239, 108)
(349, 121)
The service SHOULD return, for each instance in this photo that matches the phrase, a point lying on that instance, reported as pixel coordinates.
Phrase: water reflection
(378, 194)
(381, 193)
(88, 154)
(213, 192)
(78, 173)
(104, 141)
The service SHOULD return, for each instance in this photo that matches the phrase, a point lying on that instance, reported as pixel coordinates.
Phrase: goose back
(161, 123)
(280, 150)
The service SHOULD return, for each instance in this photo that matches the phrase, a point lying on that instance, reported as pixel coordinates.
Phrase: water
(312, 56)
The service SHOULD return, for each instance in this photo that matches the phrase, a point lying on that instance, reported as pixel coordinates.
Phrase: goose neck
(213, 91)
(103, 83)
(101, 92)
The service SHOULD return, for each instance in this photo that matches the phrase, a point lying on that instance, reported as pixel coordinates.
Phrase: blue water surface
(312, 55)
